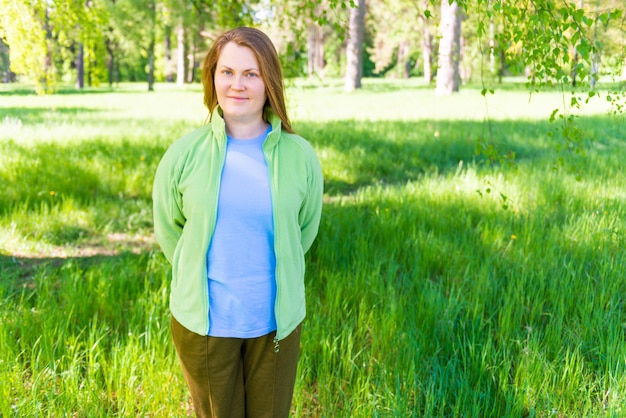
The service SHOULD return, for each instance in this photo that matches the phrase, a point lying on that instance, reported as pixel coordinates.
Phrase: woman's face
(238, 84)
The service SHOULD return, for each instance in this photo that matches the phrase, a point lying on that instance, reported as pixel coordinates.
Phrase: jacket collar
(219, 127)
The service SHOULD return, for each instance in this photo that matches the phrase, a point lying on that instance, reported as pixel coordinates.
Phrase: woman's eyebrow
(244, 70)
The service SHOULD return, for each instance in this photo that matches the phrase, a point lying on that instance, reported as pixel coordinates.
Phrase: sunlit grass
(441, 284)
(413, 100)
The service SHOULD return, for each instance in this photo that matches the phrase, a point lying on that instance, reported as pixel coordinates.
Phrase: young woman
(237, 204)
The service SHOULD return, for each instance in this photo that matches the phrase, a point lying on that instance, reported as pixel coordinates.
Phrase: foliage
(127, 31)
(79, 23)
(293, 61)
(4, 58)
(556, 43)
(22, 25)
(392, 22)
(543, 36)
(44, 37)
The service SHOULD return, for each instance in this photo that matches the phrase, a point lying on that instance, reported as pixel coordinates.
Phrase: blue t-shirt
(241, 260)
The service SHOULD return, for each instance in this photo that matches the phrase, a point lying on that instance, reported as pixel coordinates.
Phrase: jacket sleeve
(311, 209)
(167, 206)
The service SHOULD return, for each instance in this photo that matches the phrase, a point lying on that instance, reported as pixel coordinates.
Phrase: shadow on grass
(22, 269)
(354, 154)
(452, 275)
(368, 153)
(103, 286)
(19, 89)
(37, 115)
(45, 173)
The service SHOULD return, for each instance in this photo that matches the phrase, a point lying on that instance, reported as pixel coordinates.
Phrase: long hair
(269, 67)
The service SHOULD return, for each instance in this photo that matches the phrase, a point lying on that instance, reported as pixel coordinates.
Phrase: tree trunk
(80, 67)
(151, 66)
(427, 48)
(180, 53)
(90, 67)
(403, 59)
(311, 50)
(151, 46)
(575, 59)
(502, 64)
(110, 62)
(315, 53)
(354, 50)
(595, 59)
(46, 81)
(448, 79)
(167, 46)
(191, 64)
(320, 62)
(492, 42)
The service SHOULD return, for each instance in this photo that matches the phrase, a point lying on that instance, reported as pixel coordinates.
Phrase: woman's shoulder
(179, 151)
(191, 139)
(299, 141)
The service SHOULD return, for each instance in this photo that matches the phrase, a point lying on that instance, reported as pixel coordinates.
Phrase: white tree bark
(315, 55)
(404, 51)
(427, 47)
(180, 54)
(354, 50)
(448, 78)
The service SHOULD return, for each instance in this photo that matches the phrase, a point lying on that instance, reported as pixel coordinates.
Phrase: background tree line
(448, 43)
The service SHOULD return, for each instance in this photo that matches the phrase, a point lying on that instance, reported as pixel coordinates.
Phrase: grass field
(440, 285)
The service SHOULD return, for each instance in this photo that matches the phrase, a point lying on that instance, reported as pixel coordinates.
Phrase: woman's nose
(237, 83)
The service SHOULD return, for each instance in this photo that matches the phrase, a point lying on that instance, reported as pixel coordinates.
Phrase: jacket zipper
(276, 345)
(206, 266)
(269, 158)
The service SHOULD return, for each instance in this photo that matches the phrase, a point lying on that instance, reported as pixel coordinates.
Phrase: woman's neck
(245, 130)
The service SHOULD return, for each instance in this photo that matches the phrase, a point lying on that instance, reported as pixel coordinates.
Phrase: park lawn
(441, 283)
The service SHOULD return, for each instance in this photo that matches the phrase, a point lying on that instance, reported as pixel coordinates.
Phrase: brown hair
(269, 67)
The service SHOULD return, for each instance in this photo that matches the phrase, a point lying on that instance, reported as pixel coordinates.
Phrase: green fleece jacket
(185, 197)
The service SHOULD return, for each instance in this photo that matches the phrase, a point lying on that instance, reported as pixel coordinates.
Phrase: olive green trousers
(238, 378)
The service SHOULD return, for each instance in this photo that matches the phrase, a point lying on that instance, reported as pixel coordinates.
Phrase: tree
(354, 49)
(180, 52)
(133, 26)
(315, 50)
(399, 28)
(448, 78)
(427, 44)
(77, 27)
(542, 37)
(5, 63)
(135, 39)
(22, 25)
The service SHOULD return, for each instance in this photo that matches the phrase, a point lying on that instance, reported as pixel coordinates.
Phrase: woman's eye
(252, 75)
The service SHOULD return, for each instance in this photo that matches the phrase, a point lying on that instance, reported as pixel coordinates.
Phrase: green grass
(440, 284)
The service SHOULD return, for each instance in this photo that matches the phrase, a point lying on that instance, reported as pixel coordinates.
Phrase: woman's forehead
(237, 56)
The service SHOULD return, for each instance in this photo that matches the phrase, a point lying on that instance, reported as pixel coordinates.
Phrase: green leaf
(553, 115)
(604, 18)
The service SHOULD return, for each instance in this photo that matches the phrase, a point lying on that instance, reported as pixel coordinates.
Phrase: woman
(237, 204)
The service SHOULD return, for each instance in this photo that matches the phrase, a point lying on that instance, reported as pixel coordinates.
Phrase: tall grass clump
(441, 283)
